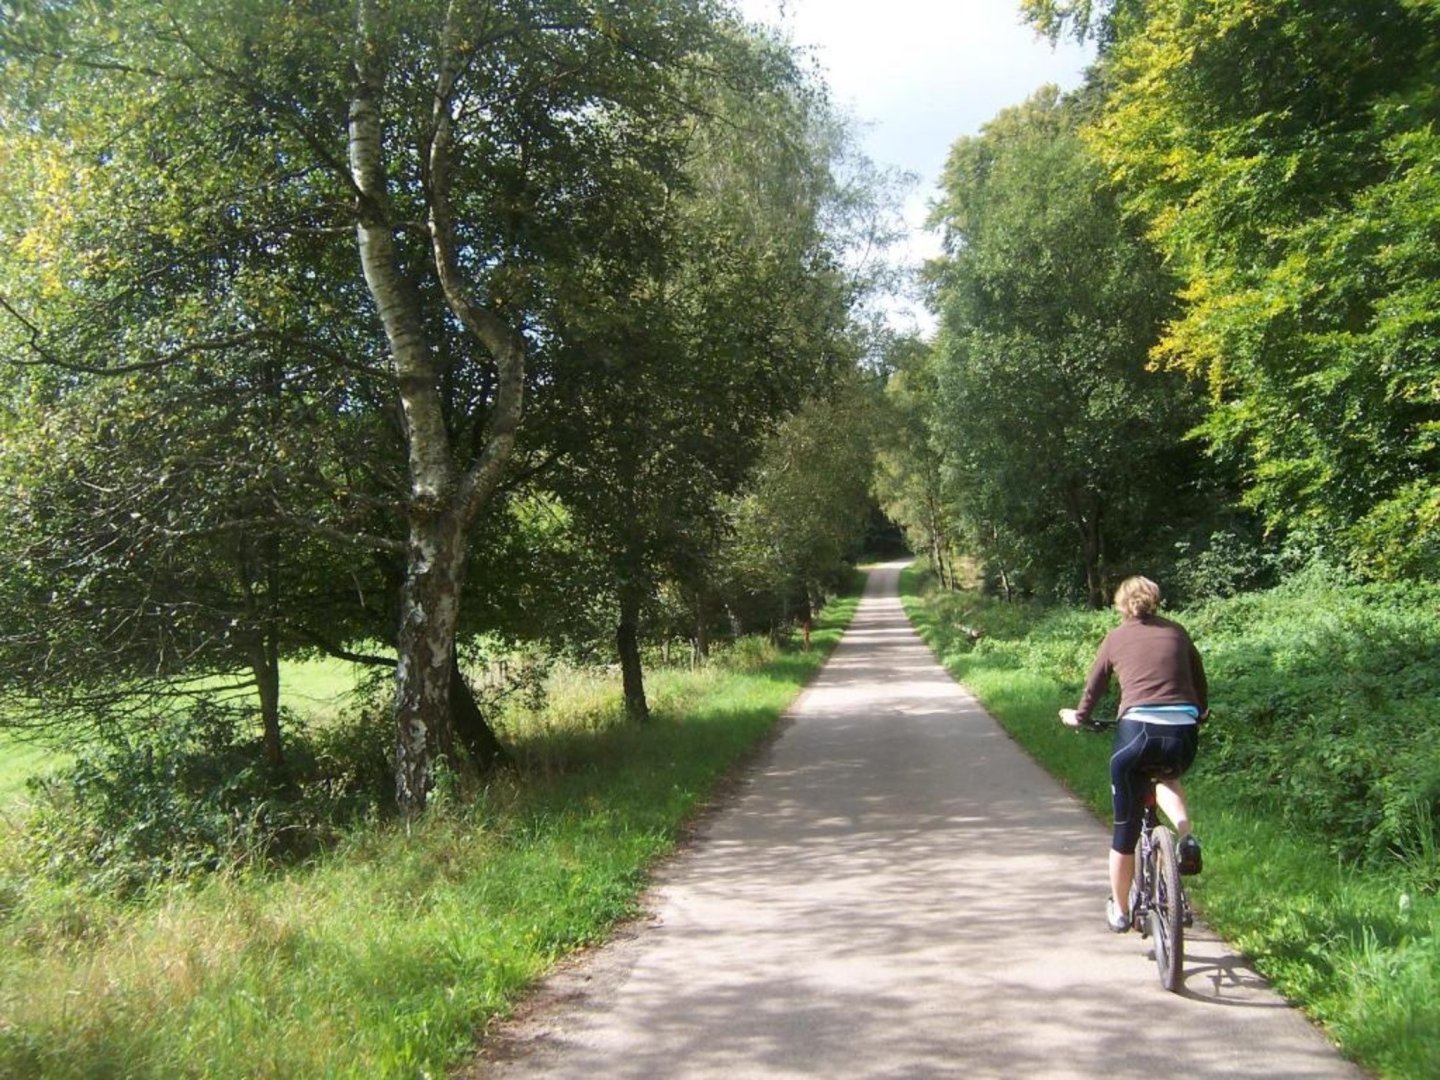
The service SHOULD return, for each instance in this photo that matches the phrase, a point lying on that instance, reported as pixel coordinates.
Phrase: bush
(1324, 695)
(1217, 566)
(193, 796)
(1323, 692)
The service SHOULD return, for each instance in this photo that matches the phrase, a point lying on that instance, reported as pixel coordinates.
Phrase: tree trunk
(1004, 575)
(627, 643)
(429, 614)
(702, 630)
(1091, 541)
(265, 663)
(471, 728)
(937, 544)
(264, 645)
(807, 616)
(1094, 584)
(443, 503)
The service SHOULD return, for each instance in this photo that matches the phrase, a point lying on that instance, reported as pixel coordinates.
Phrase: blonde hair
(1137, 597)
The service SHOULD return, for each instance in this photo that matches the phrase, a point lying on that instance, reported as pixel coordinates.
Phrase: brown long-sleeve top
(1156, 663)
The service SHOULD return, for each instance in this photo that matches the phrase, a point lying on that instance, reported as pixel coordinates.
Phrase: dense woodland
(421, 335)
(1189, 312)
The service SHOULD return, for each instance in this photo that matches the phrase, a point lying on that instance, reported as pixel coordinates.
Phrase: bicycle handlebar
(1069, 719)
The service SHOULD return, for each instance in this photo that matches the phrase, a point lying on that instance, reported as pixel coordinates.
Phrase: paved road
(898, 891)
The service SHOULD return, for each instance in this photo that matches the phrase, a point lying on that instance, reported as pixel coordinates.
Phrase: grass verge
(1357, 949)
(386, 957)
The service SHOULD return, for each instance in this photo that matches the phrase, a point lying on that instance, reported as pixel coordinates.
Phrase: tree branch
(504, 343)
(368, 541)
(252, 96)
(342, 653)
(165, 359)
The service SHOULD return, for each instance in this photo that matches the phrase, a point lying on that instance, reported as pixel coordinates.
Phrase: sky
(919, 74)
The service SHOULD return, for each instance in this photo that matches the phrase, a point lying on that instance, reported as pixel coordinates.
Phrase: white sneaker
(1116, 919)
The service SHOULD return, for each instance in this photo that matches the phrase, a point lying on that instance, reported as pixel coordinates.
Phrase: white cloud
(924, 72)
(920, 74)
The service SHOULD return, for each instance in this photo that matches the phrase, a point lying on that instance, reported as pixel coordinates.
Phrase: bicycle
(1159, 908)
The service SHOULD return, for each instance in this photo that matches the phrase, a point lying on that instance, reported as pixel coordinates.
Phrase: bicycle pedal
(1189, 856)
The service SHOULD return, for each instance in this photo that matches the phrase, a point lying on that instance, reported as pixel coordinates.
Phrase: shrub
(192, 796)
(1324, 693)
(1222, 564)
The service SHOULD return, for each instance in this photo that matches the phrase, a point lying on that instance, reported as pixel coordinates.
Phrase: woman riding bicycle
(1163, 699)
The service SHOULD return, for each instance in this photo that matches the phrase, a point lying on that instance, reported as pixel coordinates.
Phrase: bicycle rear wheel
(1166, 909)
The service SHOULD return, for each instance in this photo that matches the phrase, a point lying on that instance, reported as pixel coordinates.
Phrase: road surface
(897, 890)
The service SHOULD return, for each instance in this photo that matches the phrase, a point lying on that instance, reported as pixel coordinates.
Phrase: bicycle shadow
(1233, 983)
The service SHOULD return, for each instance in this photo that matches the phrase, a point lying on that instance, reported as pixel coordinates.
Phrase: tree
(175, 472)
(1295, 198)
(1061, 449)
(909, 467)
(1103, 20)
(145, 557)
(685, 355)
(218, 165)
(804, 512)
(1283, 155)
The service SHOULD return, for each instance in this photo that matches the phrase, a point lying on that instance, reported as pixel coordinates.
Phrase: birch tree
(214, 163)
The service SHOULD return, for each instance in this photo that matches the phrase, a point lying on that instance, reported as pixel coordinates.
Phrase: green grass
(1356, 945)
(313, 688)
(19, 760)
(386, 957)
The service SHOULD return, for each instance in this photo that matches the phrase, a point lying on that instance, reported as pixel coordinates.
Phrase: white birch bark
(443, 503)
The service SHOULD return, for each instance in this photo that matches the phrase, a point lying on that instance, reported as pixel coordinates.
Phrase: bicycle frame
(1142, 887)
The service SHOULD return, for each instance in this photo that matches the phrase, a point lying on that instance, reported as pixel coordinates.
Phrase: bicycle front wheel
(1166, 909)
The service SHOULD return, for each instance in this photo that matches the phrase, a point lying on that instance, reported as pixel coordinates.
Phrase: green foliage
(800, 521)
(1283, 154)
(679, 362)
(909, 467)
(302, 266)
(1226, 562)
(193, 796)
(1062, 454)
(1323, 693)
(385, 956)
(153, 536)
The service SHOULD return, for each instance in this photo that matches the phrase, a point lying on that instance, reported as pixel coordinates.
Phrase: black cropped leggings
(1137, 745)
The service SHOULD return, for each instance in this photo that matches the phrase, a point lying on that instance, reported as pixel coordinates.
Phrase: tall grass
(387, 956)
(1354, 940)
